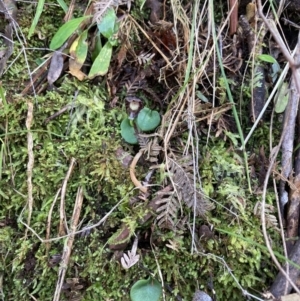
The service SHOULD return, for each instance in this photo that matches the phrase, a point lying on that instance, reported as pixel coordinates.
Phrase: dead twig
(69, 244)
(233, 6)
(69, 13)
(30, 161)
(63, 226)
(278, 286)
(48, 229)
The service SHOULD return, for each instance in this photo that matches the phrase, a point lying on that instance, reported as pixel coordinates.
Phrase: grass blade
(63, 5)
(38, 13)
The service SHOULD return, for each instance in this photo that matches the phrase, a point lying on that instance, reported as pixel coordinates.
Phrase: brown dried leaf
(74, 69)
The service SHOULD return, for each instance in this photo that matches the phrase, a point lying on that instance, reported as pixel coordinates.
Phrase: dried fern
(133, 86)
(101, 7)
(145, 58)
(182, 177)
(183, 191)
(271, 220)
(169, 206)
(150, 146)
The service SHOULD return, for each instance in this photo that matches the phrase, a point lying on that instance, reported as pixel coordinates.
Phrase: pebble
(201, 296)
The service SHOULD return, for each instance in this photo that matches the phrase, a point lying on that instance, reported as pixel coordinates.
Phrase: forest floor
(149, 149)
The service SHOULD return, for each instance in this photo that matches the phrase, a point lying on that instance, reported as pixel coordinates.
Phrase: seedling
(146, 121)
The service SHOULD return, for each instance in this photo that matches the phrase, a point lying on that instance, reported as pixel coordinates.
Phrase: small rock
(201, 296)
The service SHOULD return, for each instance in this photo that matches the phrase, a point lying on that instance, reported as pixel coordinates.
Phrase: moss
(88, 130)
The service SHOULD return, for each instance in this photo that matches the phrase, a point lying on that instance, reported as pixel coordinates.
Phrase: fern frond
(271, 219)
(145, 58)
(169, 206)
(133, 86)
(150, 146)
(182, 176)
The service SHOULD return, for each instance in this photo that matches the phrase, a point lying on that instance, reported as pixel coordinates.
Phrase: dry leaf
(56, 67)
(130, 259)
(74, 69)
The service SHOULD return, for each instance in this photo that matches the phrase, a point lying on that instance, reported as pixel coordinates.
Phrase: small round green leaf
(146, 290)
(127, 132)
(148, 120)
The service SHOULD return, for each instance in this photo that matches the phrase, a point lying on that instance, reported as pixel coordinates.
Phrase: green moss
(89, 132)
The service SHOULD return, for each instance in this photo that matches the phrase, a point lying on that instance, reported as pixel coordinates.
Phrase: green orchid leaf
(128, 132)
(65, 31)
(148, 120)
(267, 58)
(146, 290)
(97, 47)
(107, 24)
(102, 61)
(79, 48)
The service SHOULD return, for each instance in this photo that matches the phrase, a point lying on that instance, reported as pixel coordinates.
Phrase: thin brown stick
(69, 13)
(48, 229)
(233, 7)
(36, 78)
(58, 113)
(30, 161)
(296, 76)
(69, 244)
(63, 226)
(263, 217)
